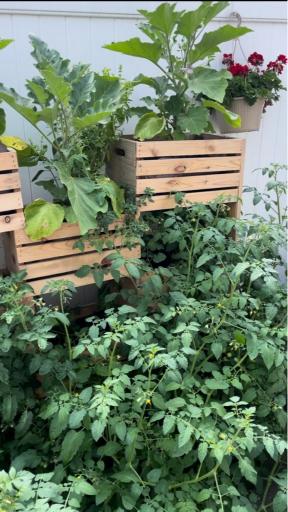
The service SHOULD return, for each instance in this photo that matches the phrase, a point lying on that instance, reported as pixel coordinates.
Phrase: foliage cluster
(188, 87)
(170, 399)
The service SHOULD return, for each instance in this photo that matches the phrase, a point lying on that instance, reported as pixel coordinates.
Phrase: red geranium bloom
(282, 58)
(238, 69)
(276, 66)
(256, 59)
(227, 59)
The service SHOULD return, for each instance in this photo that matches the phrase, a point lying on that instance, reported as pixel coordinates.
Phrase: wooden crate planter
(55, 257)
(11, 205)
(203, 169)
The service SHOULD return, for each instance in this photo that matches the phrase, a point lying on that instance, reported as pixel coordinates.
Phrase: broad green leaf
(175, 403)
(192, 20)
(76, 417)
(137, 48)
(114, 192)
(280, 502)
(83, 487)
(70, 215)
(210, 82)
(38, 92)
(85, 200)
(247, 470)
(202, 451)
(59, 422)
(120, 429)
(71, 444)
(195, 121)
(230, 117)
(83, 122)
(239, 269)
(210, 41)
(154, 475)
(42, 219)
(57, 85)
(185, 435)
(22, 105)
(97, 429)
(203, 259)
(81, 91)
(216, 384)
(107, 93)
(5, 42)
(168, 424)
(164, 18)
(268, 354)
(149, 126)
(270, 447)
(9, 408)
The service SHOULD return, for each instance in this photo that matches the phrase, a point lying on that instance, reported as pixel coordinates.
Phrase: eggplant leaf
(210, 82)
(149, 125)
(137, 48)
(42, 219)
(230, 117)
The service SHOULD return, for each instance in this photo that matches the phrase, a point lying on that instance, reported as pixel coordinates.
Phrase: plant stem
(112, 358)
(267, 488)
(218, 490)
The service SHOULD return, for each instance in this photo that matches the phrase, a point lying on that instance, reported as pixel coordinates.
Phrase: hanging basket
(250, 116)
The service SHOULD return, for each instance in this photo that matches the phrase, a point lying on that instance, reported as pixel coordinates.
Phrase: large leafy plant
(188, 87)
(64, 103)
(174, 401)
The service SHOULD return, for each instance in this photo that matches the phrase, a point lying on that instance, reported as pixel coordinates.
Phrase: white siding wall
(79, 29)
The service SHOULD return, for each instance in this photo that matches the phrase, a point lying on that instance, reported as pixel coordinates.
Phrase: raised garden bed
(11, 205)
(203, 169)
(56, 257)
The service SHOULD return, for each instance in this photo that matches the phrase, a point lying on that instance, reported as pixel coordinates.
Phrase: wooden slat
(9, 181)
(11, 222)
(10, 201)
(66, 231)
(72, 263)
(166, 202)
(38, 284)
(44, 251)
(188, 183)
(8, 161)
(187, 165)
(153, 149)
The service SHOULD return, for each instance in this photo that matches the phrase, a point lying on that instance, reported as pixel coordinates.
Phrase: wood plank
(187, 165)
(167, 202)
(8, 161)
(11, 222)
(10, 252)
(9, 181)
(38, 284)
(10, 201)
(153, 149)
(72, 263)
(188, 183)
(56, 249)
(66, 231)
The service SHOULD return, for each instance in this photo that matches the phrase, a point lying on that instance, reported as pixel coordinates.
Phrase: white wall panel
(80, 29)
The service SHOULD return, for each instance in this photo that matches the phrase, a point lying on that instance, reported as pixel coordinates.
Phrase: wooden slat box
(203, 169)
(11, 206)
(56, 258)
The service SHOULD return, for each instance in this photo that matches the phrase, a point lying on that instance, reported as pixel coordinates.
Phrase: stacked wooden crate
(56, 256)
(204, 169)
(11, 205)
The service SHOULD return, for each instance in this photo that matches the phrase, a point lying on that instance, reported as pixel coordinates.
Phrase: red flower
(256, 59)
(238, 69)
(276, 66)
(227, 59)
(282, 58)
